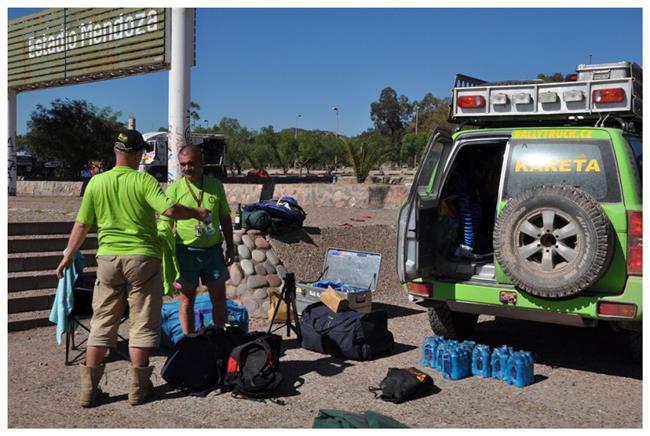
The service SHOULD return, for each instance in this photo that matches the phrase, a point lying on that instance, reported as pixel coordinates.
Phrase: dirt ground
(582, 377)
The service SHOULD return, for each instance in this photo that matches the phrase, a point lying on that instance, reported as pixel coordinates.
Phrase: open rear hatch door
(415, 250)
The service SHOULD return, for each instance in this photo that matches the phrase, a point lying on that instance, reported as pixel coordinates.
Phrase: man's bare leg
(186, 310)
(217, 292)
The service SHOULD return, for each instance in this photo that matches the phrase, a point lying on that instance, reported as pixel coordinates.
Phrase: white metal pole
(11, 142)
(179, 87)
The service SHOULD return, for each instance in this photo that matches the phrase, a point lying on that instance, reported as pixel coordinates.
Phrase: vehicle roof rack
(598, 95)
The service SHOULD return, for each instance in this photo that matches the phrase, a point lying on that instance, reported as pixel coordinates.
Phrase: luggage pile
(275, 216)
(455, 360)
(245, 364)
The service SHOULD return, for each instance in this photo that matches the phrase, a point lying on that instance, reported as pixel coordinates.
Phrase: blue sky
(265, 66)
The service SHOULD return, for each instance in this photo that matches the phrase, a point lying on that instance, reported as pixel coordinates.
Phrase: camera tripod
(288, 296)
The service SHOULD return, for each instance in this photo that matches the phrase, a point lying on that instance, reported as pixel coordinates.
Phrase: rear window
(587, 165)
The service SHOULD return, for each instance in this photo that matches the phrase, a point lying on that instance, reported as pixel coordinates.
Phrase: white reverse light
(521, 98)
(573, 95)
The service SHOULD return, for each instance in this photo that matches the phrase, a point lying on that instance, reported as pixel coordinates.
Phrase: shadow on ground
(600, 349)
(396, 311)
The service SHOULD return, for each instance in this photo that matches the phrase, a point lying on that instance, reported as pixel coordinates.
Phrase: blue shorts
(206, 263)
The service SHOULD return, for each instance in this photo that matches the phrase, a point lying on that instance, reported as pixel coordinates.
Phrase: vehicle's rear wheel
(454, 325)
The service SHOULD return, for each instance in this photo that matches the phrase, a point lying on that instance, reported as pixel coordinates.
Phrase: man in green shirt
(123, 203)
(198, 246)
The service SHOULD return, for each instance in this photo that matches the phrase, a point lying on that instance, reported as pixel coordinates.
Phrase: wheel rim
(548, 240)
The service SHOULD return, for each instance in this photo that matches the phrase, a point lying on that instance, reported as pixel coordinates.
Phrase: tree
(287, 147)
(73, 132)
(366, 151)
(555, 77)
(238, 139)
(390, 115)
(413, 146)
(194, 112)
(309, 150)
(432, 112)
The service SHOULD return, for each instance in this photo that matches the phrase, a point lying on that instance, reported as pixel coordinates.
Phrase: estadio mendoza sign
(56, 47)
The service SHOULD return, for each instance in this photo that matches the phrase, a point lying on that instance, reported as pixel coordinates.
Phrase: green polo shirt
(214, 199)
(123, 203)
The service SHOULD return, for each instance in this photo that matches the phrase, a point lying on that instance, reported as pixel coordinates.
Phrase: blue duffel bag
(170, 325)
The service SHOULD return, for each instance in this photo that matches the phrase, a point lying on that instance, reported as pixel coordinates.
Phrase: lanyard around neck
(198, 199)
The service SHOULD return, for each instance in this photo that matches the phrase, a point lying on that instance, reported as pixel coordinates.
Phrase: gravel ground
(582, 379)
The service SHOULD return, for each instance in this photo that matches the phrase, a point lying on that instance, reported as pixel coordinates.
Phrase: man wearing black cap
(123, 203)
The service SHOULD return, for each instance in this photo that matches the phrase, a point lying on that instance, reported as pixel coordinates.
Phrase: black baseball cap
(130, 140)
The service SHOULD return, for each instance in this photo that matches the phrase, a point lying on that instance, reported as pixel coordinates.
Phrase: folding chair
(83, 309)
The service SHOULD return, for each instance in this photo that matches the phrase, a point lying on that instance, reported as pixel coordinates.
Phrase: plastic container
(499, 362)
(521, 370)
(429, 347)
(455, 362)
(481, 366)
(442, 346)
(469, 346)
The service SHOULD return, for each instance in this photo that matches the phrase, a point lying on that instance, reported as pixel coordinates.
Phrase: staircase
(35, 250)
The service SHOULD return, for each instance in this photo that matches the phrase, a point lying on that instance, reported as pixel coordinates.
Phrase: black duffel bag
(197, 363)
(350, 334)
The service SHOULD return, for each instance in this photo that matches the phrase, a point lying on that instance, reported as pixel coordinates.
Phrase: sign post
(11, 142)
(182, 41)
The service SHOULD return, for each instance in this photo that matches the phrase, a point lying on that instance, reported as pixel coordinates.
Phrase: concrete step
(40, 244)
(24, 281)
(29, 320)
(44, 261)
(29, 301)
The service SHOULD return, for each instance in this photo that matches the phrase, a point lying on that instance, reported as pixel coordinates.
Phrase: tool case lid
(355, 268)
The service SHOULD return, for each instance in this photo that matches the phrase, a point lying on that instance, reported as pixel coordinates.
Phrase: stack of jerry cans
(481, 366)
(429, 347)
(499, 362)
(455, 360)
(520, 369)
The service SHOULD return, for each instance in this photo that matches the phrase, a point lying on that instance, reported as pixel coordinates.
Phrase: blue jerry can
(521, 370)
(481, 366)
(455, 362)
(499, 362)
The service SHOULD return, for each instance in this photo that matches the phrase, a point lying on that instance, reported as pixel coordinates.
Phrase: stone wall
(256, 275)
(371, 196)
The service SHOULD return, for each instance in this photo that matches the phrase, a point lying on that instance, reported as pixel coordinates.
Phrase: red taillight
(608, 95)
(619, 310)
(471, 101)
(423, 289)
(635, 243)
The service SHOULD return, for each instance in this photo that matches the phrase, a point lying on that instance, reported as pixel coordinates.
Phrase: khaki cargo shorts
(122, 280)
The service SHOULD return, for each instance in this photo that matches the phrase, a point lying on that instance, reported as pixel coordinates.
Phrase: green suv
(535, 213)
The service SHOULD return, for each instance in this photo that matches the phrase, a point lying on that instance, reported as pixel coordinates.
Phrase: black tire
(454, 325)
(553, 241)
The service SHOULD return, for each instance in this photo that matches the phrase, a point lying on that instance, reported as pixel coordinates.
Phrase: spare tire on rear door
(553, 241)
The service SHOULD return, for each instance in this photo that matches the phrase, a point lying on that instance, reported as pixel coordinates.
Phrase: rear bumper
(580, 310)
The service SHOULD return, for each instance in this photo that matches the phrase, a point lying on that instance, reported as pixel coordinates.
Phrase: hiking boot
(90, 377)
(141, 386)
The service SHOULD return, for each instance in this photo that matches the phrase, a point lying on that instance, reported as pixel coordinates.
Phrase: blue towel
(63, 300)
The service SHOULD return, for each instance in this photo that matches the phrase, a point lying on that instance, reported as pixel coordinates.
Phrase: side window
(588, 165)
(637, 150)
(428, 168)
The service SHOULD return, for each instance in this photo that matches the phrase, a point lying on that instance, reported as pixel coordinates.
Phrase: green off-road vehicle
(535, 213)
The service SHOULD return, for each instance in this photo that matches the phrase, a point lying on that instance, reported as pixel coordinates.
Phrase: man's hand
(230, 255)
(203, 213)
(65, 263)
